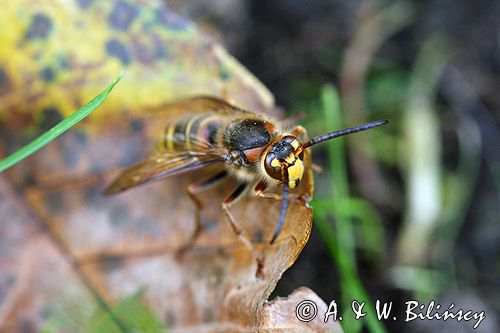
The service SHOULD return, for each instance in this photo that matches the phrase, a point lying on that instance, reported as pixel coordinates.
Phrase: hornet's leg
(234, 225)
(226, 205)
(283, 197)
(192, 190)
(260, 192)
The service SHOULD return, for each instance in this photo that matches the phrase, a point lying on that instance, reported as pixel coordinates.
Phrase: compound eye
(272, 166)
(292, 141)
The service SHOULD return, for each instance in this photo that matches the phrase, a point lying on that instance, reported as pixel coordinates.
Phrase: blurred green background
(410, 210)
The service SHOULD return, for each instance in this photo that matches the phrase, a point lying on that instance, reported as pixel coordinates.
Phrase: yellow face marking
(290, 159)
(295, 172)
(295, 144)
(275, 163)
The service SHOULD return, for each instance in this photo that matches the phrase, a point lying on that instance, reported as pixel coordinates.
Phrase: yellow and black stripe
(193, 133)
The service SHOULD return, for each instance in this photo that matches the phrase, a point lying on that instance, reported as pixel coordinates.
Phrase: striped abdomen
(191, 133)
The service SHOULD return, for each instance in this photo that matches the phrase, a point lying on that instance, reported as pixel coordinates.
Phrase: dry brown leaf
(63, 243)
(279, 317)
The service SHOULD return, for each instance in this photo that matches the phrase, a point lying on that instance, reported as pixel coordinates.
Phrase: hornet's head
(282, 160)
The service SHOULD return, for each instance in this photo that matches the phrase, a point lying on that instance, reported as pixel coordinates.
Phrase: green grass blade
(58, 129)
(135, 315)
(369, 224)
(341, 242)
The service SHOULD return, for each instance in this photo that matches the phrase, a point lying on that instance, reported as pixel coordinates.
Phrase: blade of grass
(77, 316)
(131, 311)
(345, 234)
(58, 129)
(369, 225)
(341, 244)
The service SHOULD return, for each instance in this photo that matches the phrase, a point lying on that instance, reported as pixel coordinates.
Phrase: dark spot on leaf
(210, 224)
(130, 152)
(118, 214)
(8, 137)
(47, 74)
(70, 158)
(145, 227)
(117, 49)
(40, 27)
(160, 52)
(143, 52)
(50, 117)
(258, 236)
(54, 202)
(97, 165)
(63, 62)
(29, 179)
(5, 83)
(93, 196)
(72, 146)
(223, 73)
(111, 263)
(80, 137)
(122, 15)
(148, 48)
(136, 126)
(171, 20)
(84, 4)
